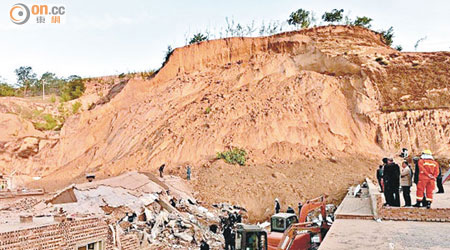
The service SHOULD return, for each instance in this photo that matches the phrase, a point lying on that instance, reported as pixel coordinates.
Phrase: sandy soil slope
(292, 101)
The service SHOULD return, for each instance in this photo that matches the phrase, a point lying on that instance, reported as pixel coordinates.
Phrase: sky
(105, 37)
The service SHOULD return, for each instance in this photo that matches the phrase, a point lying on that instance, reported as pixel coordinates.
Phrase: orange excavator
(287, 231)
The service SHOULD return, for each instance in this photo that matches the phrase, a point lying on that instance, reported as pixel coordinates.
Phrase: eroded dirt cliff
(314, 109)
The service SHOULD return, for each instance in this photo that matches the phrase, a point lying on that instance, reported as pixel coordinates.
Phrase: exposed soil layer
(292, 101)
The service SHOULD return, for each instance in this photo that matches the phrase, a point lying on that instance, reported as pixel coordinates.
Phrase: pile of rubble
(162, 213)
(19, 205)
(184, 226)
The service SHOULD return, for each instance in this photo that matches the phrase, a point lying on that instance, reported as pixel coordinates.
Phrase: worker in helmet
(428, 172)
(277, 206)
(290, 210)
(416, 178)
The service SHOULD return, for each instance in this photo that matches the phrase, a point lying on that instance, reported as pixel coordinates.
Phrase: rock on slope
(290, 100)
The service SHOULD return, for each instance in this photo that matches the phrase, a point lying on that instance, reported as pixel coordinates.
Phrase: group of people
(188, 171)
(289, 208)
(426, 175)
(228, 225)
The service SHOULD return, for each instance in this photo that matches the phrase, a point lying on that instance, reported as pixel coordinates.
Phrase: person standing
(188, 172)
(300, 205)
(391, 179)
(428, 172)
(227, 237)
(204, 245)
(161, 170)
(416, 178)
(238, 217)
(277, 206)
(406, 183)
(290, 210)
(380, 174)
(439, 182)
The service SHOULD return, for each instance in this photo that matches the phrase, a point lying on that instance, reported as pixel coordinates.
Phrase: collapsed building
(130, 211)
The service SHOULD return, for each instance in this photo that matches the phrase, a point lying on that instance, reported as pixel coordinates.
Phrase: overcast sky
(103, 37)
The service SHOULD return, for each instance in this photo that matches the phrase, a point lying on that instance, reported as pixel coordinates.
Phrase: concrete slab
(15, 225)
(369, 234)
(439, 200)
(355, 207)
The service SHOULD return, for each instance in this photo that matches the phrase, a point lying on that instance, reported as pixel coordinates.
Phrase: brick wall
(64, 235)
(404, 213)
(129, 242)
(412, 214)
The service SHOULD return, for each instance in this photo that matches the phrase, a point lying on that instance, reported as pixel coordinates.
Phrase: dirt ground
(255, 187)
(292, 101)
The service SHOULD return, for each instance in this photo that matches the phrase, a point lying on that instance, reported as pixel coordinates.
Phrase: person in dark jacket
(227, 236)
(238, 217)
(439, 182)
(391, 179)
(204, 245)
(161, 170)
(290, 210)
(380, 174)
(277, 206)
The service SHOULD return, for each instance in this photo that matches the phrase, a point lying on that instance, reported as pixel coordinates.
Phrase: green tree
(199, 37)
(398, 47)
(25, 77)
(51, 81)
(300, 18)
(73, 89)
(7, 90)
(363, 21)
(388, 36)
(76, 107)
(169, 52)
(333, 16)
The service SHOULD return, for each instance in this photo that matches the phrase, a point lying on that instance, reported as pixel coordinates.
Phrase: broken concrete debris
(138, 205)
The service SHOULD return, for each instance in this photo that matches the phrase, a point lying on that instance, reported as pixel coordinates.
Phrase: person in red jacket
(428, 172)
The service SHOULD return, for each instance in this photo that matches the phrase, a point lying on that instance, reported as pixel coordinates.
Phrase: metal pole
(43, 89)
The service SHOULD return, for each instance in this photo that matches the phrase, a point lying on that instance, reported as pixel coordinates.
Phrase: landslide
(30, 125)
(314, 109)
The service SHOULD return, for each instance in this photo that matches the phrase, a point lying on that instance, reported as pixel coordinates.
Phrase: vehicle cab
(279, 223)
(250, 237)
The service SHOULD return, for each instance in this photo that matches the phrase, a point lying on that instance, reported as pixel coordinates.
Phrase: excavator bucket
(290, 234)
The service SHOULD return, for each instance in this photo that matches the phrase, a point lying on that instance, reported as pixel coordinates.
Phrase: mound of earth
(314, 109)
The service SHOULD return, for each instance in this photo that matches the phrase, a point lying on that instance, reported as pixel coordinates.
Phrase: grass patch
(233, 156)
(50, 123)
(76, 107)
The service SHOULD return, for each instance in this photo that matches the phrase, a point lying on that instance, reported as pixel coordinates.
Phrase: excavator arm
(311, 205)
(305, 227)
(294, 230)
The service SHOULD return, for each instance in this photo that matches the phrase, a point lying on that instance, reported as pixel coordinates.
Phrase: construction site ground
(362, 233)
